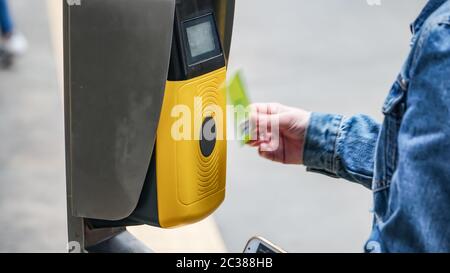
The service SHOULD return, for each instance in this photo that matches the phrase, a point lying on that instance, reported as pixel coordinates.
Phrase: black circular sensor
(208, 136)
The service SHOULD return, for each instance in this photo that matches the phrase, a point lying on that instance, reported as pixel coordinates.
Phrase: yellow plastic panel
(191, 186)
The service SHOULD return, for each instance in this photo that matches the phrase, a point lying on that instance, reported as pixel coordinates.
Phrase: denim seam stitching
(383, 187)
(338, 135)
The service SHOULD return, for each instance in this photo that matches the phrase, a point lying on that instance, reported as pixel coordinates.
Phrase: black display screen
(202, 39)
(264, 249)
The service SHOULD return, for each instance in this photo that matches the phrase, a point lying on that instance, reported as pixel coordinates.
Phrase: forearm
(341, 147)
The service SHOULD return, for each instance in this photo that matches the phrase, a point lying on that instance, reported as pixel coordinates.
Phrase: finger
(268, 108)
(253, 143)
(271, 146)
(273, 150)
(268, 151)
(267, 122)
(267, 155)
(262, 126)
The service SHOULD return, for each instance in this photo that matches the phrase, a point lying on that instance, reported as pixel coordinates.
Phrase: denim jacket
(405, 160)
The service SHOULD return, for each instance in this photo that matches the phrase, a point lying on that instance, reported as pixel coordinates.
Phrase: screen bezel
(179, 68)
(207, 56)
(255, 242)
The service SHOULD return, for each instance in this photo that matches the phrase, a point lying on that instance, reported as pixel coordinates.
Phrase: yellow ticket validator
(191, 148)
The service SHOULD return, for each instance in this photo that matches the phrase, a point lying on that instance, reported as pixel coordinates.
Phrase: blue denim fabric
(405, 161)
(6, 25)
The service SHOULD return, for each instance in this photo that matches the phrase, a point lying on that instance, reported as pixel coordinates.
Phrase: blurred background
(337, 56)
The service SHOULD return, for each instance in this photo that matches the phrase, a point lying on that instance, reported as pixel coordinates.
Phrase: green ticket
(237, 91)
(239, 99)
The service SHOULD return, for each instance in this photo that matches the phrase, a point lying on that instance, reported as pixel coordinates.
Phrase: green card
(239, 99)
(237, 91)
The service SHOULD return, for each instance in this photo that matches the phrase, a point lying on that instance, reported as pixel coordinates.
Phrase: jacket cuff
(320, 143)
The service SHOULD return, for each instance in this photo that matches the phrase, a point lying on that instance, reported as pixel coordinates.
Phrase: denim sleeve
(342, 147)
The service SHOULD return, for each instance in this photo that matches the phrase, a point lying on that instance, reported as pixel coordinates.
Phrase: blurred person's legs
(13, 42)
(5, 19)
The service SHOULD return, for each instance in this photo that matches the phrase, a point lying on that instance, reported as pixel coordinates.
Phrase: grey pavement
(32, 179)
(337, 56)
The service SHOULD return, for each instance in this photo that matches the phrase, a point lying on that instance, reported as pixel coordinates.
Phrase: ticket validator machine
(133, 70)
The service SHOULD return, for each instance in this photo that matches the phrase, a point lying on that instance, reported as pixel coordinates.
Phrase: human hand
(278, 131)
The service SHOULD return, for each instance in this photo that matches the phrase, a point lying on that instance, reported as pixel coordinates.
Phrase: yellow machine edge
(190, 186)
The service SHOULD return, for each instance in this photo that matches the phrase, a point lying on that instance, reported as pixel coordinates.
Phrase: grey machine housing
(116, 62)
